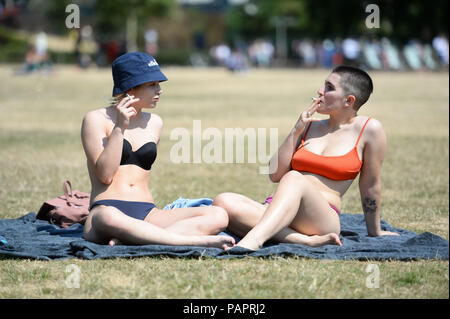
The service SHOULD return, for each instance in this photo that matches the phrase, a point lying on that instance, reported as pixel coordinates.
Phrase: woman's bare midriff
(130, 183)
(331, 190)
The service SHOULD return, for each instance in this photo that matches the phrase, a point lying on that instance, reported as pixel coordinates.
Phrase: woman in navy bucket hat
(120, 143)
(133, 69)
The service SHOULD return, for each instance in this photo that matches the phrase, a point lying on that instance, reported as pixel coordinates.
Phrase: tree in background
(111, 18)
(280, 21)
(400, 19)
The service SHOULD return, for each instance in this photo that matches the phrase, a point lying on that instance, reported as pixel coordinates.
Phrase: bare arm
(369, 180)
(280, 163)
(158, 124)
(103, 156)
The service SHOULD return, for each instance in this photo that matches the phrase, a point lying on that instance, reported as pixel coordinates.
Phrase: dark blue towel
(27, 237)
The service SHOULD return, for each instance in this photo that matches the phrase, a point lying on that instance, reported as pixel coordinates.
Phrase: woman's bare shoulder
(96, 121)
(98, 115)
(373, 131)
(373, 126)
(156, 119)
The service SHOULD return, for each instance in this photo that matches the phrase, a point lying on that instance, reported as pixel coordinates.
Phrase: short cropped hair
(356, 82)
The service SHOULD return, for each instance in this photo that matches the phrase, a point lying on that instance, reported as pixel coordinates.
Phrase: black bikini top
(144, 157)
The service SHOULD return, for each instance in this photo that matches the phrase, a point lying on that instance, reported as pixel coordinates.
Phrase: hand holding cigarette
(126, 111)
(306, 116)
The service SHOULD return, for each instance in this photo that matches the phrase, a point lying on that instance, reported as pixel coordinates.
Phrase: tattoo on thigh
(369, 205)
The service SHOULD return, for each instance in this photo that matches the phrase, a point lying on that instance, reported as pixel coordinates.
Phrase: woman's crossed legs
(194, 226)
(298, 214)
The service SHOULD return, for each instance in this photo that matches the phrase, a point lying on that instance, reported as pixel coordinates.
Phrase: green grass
(40, 147)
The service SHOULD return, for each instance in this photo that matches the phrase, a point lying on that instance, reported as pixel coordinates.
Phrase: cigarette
(128, 95)
(315, 99)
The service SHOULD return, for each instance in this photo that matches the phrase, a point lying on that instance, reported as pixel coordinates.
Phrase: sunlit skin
(300, 209)
(103, 132)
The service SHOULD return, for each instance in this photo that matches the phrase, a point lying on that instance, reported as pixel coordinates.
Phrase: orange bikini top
(339, 168)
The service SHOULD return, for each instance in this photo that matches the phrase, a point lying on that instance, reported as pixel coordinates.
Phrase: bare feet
(313, 241)
(249, 243)
(218, 241)
(328, 239)
(114, 241)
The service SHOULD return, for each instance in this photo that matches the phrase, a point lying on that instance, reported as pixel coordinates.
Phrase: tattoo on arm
(369, 205)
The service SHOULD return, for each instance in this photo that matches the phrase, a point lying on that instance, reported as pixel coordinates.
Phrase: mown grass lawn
(40, 147)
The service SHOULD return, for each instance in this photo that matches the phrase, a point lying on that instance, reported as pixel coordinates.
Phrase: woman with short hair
(315, 166)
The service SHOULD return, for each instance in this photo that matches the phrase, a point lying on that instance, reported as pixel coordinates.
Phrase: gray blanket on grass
(27, 237)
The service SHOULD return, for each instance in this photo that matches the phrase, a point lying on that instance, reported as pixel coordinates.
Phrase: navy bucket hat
(133, 69)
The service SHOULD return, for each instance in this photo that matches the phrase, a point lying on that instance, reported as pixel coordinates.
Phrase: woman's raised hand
(125, 111)
(306, 116)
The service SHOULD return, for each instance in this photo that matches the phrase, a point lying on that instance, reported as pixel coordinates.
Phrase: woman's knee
(96, 224)
(105, 220)
(229, 202)
(219, 216)
(223, 200)
(294, 177)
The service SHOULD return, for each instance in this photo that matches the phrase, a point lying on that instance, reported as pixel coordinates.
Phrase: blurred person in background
(440, 44)
(220, 54)
(37, 57)
(328, 52)
(306, 52)
(261, 53)
(351, 49)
